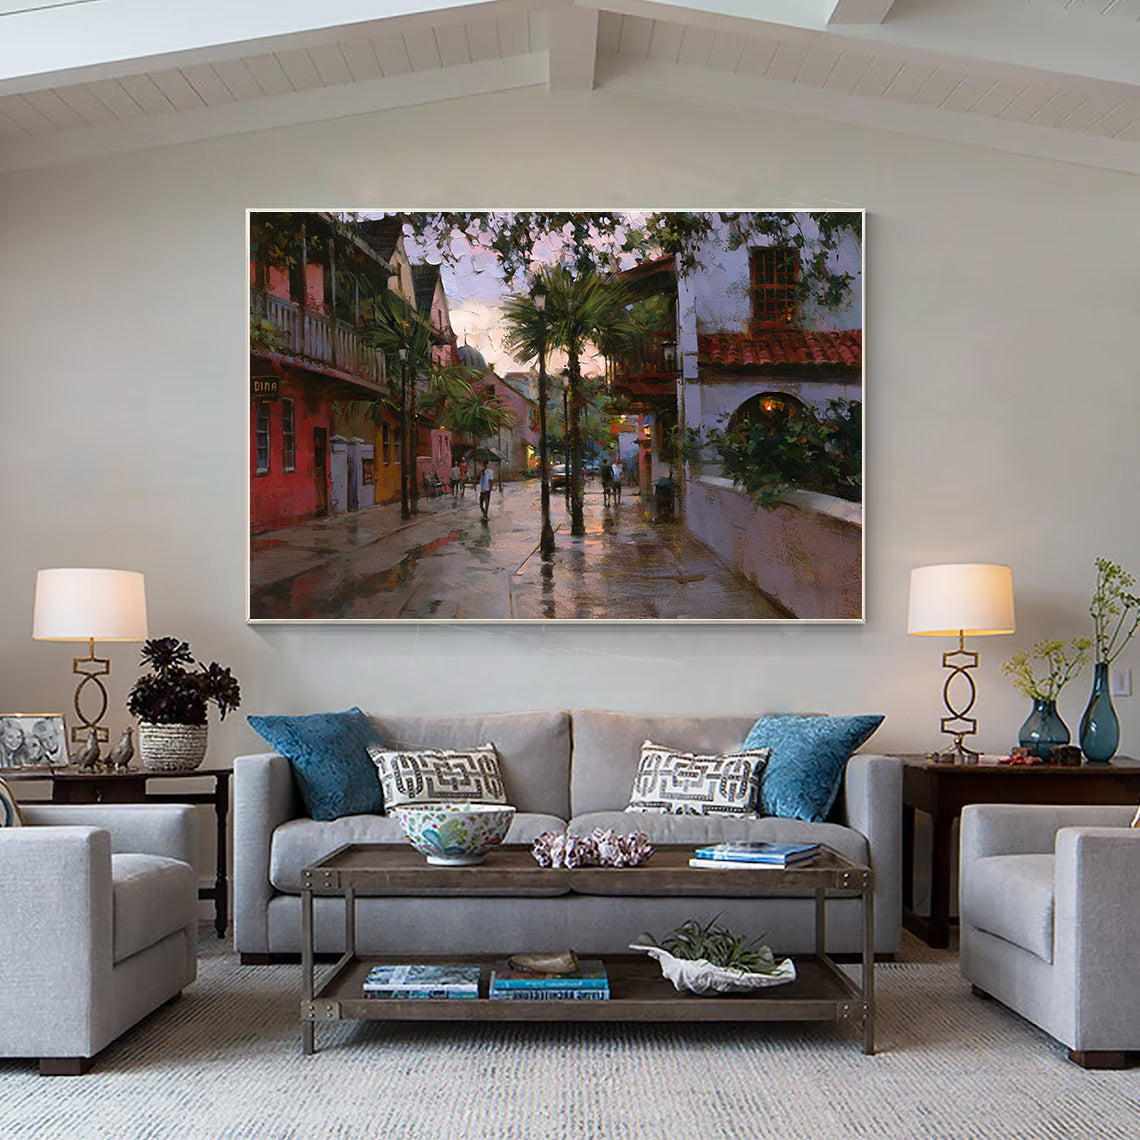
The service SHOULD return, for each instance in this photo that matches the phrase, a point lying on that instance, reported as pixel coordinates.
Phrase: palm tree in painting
(582, 309)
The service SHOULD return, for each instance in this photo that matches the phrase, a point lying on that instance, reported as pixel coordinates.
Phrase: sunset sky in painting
(475, 290)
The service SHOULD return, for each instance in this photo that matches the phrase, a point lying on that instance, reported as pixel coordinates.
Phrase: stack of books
(416, 981)
(588, 983)
(756, 854)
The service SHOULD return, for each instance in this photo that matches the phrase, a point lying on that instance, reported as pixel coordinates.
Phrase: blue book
(592, 993)
(760, 852)
(590, 975)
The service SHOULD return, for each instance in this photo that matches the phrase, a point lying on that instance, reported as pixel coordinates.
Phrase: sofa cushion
(533, 749)
(152, 897)
(432, 775)
(1011, 896)
(301, 842)
(329, 758)
(607, 750)
(701, 830)
(687, 783)
(809, 756)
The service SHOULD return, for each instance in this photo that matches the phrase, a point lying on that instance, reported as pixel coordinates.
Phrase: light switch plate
(1120, 681)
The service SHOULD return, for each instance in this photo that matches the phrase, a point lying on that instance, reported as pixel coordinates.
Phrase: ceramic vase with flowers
(1115, 612)
(1056, 663)
(171, 702)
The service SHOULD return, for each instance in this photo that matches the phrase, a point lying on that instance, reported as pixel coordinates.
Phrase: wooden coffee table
(821, 991)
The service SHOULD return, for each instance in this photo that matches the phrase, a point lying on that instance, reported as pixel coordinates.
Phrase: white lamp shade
(81, 605)
(972, 598)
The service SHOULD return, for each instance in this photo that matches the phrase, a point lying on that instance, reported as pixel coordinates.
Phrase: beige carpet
(225, 1061)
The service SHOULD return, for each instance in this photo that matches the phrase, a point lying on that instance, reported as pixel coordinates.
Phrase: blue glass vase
(1100, 730)
(1043, 729)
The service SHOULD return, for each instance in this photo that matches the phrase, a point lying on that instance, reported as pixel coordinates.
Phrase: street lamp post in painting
(405, 510)
(546, 542)
(566, 428)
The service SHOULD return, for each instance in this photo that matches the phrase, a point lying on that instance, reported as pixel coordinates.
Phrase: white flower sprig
(1061, 661)
(1115, 610)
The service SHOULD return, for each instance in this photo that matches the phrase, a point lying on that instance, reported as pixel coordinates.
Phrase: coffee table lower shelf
(821, 992)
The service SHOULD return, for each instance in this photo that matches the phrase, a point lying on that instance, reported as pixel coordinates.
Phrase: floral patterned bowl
(454, 835)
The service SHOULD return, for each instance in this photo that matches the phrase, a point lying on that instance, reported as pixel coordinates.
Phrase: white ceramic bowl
(454, 835)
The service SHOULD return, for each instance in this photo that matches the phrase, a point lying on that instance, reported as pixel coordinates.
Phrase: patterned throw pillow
(327, 754)
(683, 783)
(432, 775)
(9, 809)
(809, 757)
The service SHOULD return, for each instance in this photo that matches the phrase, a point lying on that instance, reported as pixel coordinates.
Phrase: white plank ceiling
(1058, 78)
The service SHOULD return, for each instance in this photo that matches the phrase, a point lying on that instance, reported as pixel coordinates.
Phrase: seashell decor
(598, 849)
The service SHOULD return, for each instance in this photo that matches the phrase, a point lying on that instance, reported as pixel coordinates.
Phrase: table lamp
(90, 605)
(959, 600)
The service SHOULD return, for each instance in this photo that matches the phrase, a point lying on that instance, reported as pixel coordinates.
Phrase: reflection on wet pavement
(447, 562)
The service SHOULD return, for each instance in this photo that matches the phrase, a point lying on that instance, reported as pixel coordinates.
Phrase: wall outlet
(1120, 681)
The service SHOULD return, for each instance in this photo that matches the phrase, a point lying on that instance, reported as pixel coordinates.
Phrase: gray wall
(1001, 396)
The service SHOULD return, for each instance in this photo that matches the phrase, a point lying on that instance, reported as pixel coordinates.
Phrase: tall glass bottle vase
(1043, 729)
(1100, 729)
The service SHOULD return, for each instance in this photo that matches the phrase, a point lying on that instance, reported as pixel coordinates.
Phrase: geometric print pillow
(432, 775)
(9, 809)
(683, 783)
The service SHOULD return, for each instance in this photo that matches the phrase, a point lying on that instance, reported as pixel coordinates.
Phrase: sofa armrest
(264, 798)
(144, 829)
(1097, 928)
(872, 801)
(1027, 829)
(55, 896)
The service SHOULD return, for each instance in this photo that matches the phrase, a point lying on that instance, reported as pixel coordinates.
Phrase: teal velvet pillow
(329, 756)
(809, 755)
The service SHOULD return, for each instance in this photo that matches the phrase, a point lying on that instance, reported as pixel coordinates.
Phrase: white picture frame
(33, 740)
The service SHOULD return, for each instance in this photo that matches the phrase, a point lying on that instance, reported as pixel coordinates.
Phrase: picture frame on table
(33, 740)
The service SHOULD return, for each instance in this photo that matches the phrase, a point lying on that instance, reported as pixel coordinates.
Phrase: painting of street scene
(556, 416)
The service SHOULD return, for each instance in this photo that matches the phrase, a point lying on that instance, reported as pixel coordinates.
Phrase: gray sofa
(562, 770)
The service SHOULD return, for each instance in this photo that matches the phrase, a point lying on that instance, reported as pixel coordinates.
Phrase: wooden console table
(76, 786)
(942, 790)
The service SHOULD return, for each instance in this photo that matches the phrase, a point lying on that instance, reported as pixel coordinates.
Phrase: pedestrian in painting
(463, 477)
(486, 482)
(616, 474)
(607, 484)
(456, 481)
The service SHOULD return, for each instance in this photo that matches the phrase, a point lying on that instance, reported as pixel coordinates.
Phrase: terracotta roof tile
(781, 346)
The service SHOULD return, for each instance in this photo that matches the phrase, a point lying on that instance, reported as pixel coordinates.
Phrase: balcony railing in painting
(646, 360)
(309, 334)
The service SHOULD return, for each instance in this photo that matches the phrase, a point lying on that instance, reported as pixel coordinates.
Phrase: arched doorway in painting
(770, 408)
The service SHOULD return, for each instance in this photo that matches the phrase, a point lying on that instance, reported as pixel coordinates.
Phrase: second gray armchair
(1050, 922)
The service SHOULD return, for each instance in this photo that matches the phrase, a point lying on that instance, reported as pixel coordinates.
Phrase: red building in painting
(306, 357)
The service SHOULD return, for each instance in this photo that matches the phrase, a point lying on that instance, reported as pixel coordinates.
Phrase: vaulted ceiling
(1054, 78)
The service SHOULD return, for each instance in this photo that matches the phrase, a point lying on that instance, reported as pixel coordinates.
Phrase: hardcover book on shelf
(591, 974)
(757, 853)
(555, 993)
(421, 981)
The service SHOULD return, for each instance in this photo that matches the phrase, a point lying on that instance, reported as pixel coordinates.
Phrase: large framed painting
(556, 416)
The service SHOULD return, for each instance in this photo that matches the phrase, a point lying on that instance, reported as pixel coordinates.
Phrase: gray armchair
(1049, 921)
(99, 906)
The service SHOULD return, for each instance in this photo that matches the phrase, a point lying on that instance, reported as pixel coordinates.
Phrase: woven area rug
(225, 1061)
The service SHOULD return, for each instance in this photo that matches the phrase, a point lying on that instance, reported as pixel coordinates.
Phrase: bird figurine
(88, 756)
(120, 756)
